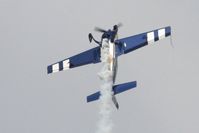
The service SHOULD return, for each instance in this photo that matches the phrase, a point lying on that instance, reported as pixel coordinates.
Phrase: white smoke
(105, 123)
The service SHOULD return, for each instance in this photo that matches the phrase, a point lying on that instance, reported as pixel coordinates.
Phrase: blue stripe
(61, 66)
(49, 69)
(168, 31)
(156, 38)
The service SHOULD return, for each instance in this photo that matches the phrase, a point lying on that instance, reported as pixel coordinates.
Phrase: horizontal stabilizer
(116, 90)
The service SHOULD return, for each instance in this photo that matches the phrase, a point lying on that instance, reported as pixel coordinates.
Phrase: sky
(37, 33)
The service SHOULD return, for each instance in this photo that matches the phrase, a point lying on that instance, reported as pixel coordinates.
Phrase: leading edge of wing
(87, 57)
(134, 42)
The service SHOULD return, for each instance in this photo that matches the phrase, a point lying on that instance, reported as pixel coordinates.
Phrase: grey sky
(36, 33)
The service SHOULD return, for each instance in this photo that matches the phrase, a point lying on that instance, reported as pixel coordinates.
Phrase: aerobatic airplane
(117, 47)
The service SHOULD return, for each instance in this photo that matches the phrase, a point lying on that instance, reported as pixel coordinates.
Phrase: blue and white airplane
(117, 47)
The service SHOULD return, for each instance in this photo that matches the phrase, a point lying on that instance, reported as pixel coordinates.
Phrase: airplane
(117, 47)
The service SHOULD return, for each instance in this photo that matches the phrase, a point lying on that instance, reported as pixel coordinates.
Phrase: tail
(115, 101)
(116, 90)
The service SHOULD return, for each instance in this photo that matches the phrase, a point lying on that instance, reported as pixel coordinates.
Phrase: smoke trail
(105, 124)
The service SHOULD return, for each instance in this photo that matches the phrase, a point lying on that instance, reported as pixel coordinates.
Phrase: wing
(87, 57)
(131, 43)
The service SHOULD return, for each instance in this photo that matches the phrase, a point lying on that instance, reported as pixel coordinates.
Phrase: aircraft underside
(117, 47)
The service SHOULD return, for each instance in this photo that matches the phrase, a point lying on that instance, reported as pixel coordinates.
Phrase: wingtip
(135, 82)
(49, 69)
(169, 27)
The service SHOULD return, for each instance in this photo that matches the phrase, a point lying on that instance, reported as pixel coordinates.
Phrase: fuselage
(112, 62)
(109, 37)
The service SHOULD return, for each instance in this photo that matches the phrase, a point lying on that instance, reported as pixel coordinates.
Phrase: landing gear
(90, 37)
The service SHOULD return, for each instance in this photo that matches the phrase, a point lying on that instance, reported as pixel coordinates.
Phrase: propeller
(119, 25)
(99, 30)
(115, 27)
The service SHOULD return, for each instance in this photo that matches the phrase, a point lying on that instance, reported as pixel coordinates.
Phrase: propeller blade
(116, 27)
(99, 29)
(119, 25)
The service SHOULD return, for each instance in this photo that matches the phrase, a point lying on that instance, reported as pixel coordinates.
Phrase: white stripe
(161, 33)
(66, 64)
(150, 37)
(55, 68)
